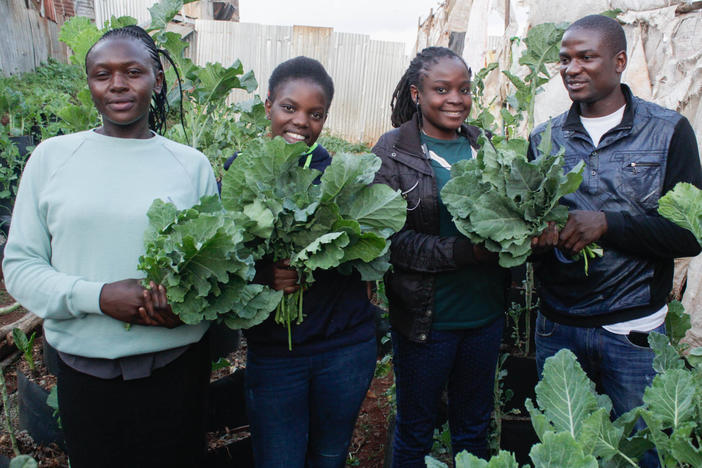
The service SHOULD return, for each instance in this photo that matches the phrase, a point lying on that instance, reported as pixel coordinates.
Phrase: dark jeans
(466, 360)
(619, 368)
(157, 421)
(302, 409)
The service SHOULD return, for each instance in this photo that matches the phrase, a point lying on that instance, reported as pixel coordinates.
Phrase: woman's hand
(122, 300)
(284, 277)
(128, 301)
(156, 307)
(484, 256)
(547, 240)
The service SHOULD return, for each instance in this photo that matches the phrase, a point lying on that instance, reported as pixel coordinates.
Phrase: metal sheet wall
(365, 72)
(29, 38)
(139, 9)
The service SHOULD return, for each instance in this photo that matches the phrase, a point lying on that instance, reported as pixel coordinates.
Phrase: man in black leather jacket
(634, 151)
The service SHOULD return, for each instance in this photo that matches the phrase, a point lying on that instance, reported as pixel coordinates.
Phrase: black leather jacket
(624, 177)
(417, 251)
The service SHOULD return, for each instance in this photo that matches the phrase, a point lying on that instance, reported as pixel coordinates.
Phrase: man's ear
(621, 61)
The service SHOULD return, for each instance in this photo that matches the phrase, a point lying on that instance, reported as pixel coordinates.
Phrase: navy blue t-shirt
(336, 309)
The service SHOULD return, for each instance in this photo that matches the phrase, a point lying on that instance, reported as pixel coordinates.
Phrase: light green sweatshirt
(79, 222)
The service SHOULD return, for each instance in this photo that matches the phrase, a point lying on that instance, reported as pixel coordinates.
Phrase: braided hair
(159, 102)
(402, 105)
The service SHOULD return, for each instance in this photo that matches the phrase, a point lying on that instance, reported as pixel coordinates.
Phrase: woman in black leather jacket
(446, 294)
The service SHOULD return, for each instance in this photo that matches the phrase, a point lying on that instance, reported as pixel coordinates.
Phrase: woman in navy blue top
(302, 403)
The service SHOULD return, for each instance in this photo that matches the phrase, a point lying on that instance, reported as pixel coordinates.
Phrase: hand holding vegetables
(581, 229)
(129, 302)
(285, 278)
(157, 308)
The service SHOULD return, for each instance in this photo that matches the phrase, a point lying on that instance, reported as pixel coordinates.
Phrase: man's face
(590, 68)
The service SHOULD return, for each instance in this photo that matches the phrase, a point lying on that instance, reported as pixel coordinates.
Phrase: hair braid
(402, 105)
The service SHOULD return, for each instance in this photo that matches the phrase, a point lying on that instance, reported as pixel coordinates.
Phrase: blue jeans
(302, 409)
(619, 368)
(466, 360)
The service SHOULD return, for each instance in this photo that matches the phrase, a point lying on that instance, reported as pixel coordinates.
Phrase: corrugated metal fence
(365, 72)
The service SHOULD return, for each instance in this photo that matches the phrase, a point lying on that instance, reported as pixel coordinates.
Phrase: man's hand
(284, 277)
(547, 240)
(582, 228)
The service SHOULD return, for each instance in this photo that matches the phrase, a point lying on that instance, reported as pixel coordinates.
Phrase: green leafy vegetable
(26, 345)
(683, 206)
(502, 200)
(574, 426)
(198, 254)
(343, 222)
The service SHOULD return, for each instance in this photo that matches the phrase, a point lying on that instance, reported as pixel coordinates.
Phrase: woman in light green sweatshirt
(128, 396)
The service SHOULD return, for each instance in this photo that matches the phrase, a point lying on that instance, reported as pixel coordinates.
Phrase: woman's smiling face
(297, 111)
(444, 97)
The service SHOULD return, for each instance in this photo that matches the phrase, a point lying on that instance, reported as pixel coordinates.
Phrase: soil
(367, 448)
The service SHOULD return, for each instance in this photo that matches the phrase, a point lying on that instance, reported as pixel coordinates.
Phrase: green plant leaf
(677, 322)
(163, 12)
(538, 420)
(670, 398)
(694, 357)
(602, 439)
(666, 356)
(682, 447)
(565, 394)
(23, 461)
(560, 450)
(79, 34)
(683, 206)
(377, 208)
(20, 339)
(502, 460)
(432, 462)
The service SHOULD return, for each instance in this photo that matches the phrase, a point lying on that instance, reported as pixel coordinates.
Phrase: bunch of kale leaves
(501, 200)
(343, 222)
(199, 255)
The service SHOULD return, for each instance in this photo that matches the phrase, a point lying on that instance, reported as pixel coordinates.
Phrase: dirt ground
(367, 448)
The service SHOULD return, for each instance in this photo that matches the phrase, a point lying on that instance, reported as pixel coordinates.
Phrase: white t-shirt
(596, 127)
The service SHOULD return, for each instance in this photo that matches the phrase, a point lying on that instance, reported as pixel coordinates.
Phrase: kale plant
(501, 200)
(343, 222)
(198, 254)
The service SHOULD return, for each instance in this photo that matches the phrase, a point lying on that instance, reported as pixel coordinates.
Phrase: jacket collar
(573, 122)
(409, 140)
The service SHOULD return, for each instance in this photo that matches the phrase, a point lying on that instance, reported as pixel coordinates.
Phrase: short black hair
(612, 32)
(402, 105)
(301, 68)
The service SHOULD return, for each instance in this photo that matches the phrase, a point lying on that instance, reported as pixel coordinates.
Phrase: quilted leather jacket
(417, 252)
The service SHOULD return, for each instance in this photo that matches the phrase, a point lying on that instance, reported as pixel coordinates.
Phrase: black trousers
(158, 421)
